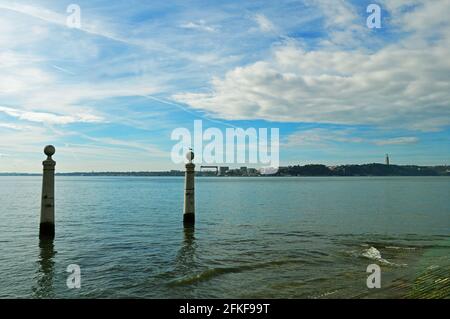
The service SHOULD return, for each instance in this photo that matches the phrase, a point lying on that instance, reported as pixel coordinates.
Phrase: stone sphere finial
(190, 155)
(49, 150)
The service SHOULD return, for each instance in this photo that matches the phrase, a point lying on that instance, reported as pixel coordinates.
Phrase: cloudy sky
(109, 94)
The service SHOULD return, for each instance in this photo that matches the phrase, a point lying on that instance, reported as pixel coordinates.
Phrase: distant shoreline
(312, 170)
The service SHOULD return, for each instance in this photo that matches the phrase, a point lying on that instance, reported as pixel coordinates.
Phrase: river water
(262, 237)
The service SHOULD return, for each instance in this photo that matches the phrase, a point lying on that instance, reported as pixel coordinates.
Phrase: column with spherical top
(189, 193)
(47, 223)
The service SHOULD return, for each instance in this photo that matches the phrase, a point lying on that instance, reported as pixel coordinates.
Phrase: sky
(109, 93)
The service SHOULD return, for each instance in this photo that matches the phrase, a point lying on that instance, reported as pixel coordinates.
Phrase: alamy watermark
(234, 146)
(73, 21)
(74, 279)
(374, 279)
(374, 19)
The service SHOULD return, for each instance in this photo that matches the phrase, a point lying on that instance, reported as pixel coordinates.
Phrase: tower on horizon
(387, 159)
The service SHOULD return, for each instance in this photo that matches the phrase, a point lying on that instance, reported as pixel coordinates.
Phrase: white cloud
(324, 137)
(50, 118)
(56, 70)
(150, 149)
(33, 11)
(339, 13)
(398, 141)
(342, 23)
(16, 127)
(320, 137)
(200, 25)
(9, 126)
(60, 19)
(26, 82)
(15, 80)
(406, 84)
(25, 141)
(12, 59)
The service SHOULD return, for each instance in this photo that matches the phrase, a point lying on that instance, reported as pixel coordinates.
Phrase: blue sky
(109, 94)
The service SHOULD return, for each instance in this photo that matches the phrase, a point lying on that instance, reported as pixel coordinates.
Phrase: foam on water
(374, 254)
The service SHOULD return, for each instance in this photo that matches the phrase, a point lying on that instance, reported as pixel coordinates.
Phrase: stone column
(47, 223)
(189, 192)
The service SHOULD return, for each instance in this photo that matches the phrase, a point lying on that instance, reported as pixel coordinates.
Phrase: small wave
(204, 276)
(374, 254)
(214, 272)
(400, 248)
(325, 294)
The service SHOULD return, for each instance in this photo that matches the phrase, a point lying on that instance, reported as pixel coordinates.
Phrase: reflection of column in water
(45, 273)
(185, 261)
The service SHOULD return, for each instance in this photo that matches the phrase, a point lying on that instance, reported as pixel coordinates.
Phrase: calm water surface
(254, 237)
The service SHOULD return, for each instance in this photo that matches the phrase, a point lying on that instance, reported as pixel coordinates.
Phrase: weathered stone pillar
(47, 224)
(189, 192)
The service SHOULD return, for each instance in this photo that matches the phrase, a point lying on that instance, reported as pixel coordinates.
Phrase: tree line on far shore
(363, 170)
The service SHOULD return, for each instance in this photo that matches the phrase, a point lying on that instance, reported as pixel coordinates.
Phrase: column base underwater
(189, 219)
(46, 231)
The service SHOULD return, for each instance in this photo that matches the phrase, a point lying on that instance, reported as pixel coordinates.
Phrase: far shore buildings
(242, 171)
(223, 170)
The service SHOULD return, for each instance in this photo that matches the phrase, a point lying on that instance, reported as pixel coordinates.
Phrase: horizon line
(182, 170)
